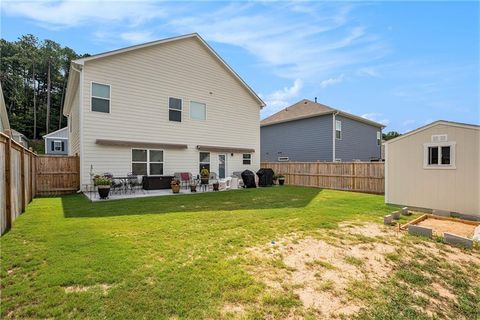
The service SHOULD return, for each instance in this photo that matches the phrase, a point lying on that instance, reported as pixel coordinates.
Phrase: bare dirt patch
(441, 226)
(76, 289)
(324, 275)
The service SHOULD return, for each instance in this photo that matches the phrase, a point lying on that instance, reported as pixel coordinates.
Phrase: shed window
(439, 155)
(100, 97)
(247, 158)
(198, 111)
(338, 129)
(175, 109)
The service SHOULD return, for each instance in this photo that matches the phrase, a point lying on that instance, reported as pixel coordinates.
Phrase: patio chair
(212, 176)
(185, 179)
(134, 183)
(116, 185)
(225, 184)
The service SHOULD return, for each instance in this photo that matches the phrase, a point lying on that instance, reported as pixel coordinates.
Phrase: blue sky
(401, 63)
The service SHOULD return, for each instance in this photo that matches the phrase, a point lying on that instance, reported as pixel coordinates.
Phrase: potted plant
(216, 185)
(175, 185)
(281, 179)
(103, 185)
(204, 173)
(193, 187)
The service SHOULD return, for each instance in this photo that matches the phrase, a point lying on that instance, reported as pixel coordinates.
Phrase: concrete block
(396, 215)
(420, 231)
(388, 219)
(476, 234)
(443, 213)
(405, 211)
(455, 240)
(464, 216)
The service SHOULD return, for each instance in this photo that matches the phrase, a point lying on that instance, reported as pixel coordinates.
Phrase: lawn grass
(166, 257)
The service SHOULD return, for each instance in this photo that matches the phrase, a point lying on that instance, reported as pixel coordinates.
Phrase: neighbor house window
(204, 161)
(57, 145)
(247, 158)
(198, 111)
(100, 97)
(147, 162)
(439, 155)
(338, 129)
(175, 109)
(379, 138)
(283, 159)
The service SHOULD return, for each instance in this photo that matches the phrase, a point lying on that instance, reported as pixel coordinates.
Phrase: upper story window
(247, 158)
(100, 97)
(379, 138)
(175, 109)
(338, 129)
(198, 111)
(439, 155)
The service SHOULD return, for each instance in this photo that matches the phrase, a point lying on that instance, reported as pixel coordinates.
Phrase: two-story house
(310, 131)
(162, 107)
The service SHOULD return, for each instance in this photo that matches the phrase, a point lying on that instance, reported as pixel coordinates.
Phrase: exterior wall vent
(439, 138)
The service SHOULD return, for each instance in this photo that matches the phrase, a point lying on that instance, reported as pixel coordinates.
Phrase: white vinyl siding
(142, 82)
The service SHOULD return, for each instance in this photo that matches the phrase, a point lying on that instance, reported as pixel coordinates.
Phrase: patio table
(125, 180)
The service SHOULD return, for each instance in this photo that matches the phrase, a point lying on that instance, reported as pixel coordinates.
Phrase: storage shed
(56, 143)
(436, 166)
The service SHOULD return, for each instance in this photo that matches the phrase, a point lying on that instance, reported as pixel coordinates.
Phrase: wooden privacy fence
(24, 174)
(350, 176)
(57, 175)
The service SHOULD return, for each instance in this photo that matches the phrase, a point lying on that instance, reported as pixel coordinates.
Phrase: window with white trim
(439, 155)
(57, 145)
(338, 129)
(147, 162)
(379, 138)
(175, 109)
(204, 161)
(198, 111)
(247, 158)
(100, 97)
(283, 159)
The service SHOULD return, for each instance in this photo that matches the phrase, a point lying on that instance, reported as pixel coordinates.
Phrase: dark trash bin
(248, 178)
(265, 177)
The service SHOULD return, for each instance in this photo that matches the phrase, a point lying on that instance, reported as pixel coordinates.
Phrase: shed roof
(433, 124)
(305, 108)
(56, 134)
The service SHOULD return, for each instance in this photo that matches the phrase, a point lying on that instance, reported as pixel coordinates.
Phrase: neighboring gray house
(310, 131)
(56, 143)
(20, 138)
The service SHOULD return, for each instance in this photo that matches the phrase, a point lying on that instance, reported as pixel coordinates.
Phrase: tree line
(33, 75)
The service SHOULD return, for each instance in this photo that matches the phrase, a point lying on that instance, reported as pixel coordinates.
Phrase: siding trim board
(139, 144)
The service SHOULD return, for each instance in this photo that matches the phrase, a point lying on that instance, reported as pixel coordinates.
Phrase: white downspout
(334, 136)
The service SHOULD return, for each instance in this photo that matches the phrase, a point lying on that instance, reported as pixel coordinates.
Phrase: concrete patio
(94, 197)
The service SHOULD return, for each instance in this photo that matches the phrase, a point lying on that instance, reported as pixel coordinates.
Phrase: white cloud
(377, 117)
(368, 72)
(332, 81)
(137, 37)
(72, 13)
(280, 99)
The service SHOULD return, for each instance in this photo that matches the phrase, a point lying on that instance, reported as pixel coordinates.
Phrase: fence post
(353, 176)
(8, 182)
(22, 178)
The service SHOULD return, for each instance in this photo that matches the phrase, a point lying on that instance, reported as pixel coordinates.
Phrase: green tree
(390, 135)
